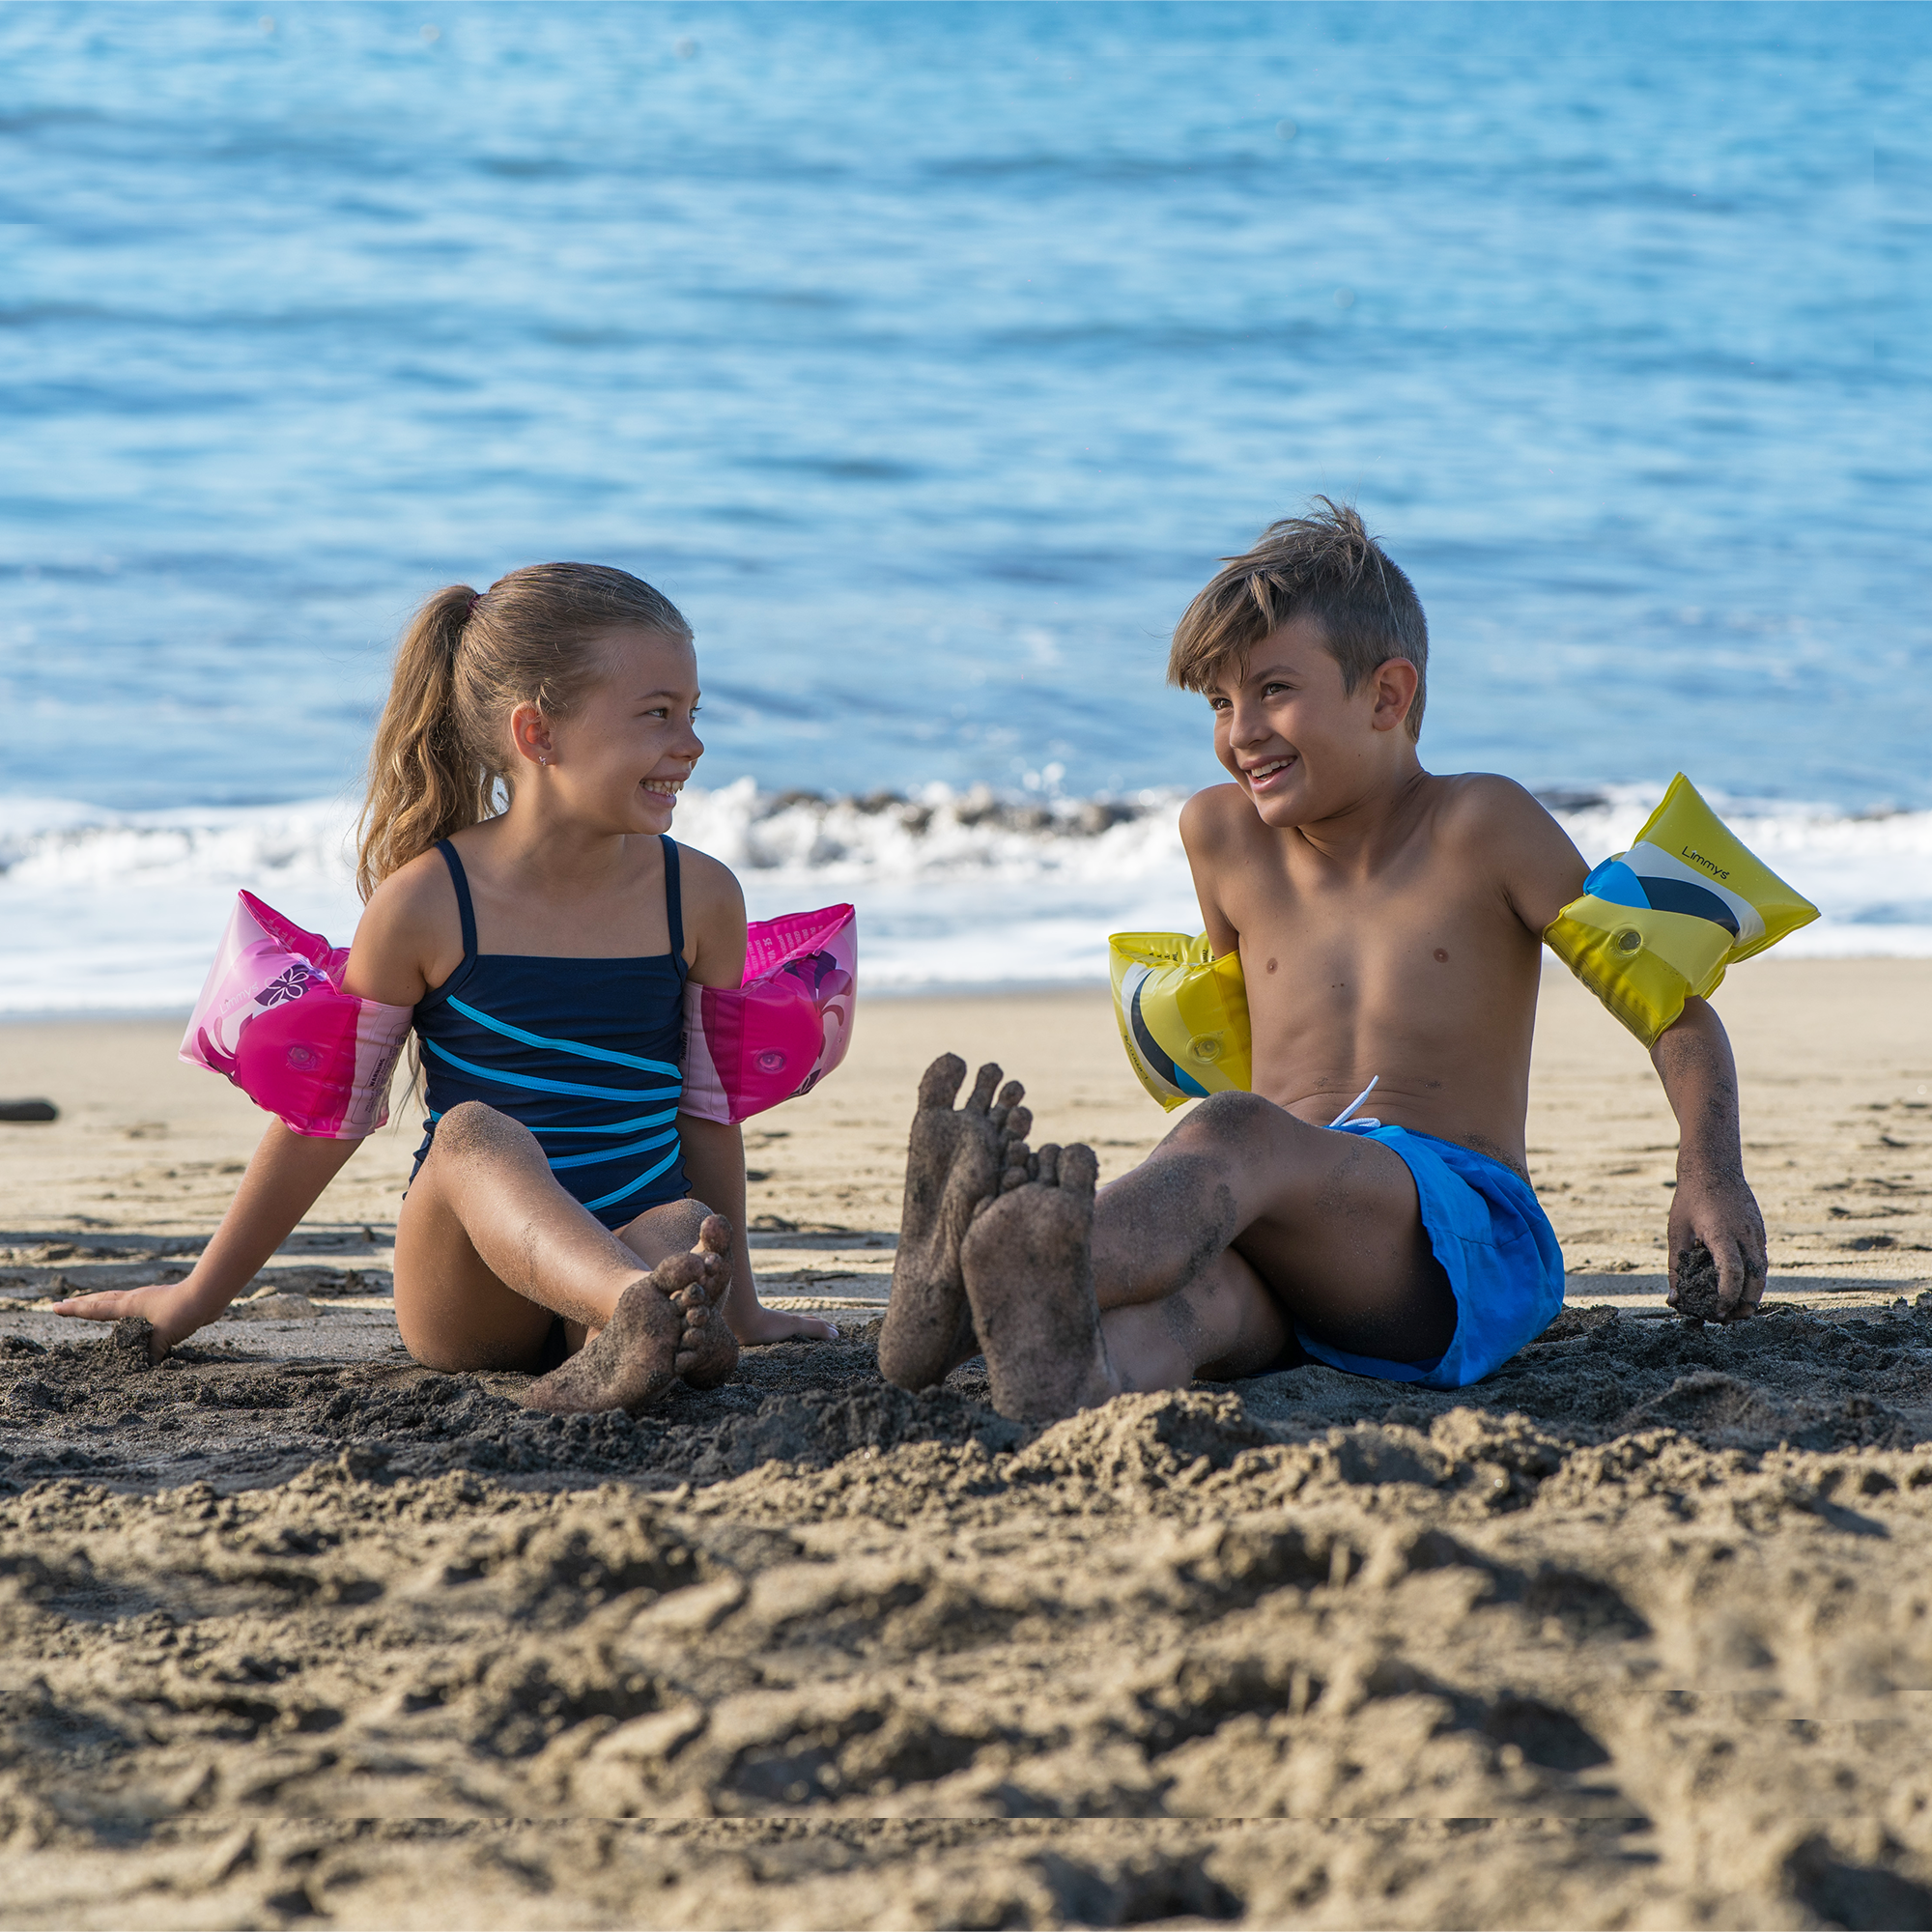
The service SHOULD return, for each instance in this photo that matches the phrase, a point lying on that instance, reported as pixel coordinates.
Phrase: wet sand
(1636, 1633)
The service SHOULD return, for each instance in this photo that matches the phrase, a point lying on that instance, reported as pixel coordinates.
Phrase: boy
(1389, 924)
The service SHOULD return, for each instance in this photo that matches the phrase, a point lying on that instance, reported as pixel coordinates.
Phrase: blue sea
(929, 356)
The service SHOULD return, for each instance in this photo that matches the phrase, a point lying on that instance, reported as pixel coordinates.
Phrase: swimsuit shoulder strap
(461, 882)
(673, 900)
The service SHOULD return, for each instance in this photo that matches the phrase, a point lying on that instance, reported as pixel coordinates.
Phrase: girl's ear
(529, 734)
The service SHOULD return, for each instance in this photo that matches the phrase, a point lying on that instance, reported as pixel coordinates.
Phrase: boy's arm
(1205, 838)
(1712, 1202)
(1542, 872)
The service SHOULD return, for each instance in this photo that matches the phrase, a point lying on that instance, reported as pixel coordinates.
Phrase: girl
(559, 1215)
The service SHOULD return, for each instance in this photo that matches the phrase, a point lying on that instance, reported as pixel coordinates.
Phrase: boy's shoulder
(1498, 834)
(1217, 815)
(1485, 805)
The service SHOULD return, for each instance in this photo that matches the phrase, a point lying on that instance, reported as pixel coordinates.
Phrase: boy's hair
(441, 757)
(1324, 565)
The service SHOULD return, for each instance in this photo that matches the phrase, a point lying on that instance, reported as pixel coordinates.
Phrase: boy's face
(1294, 740)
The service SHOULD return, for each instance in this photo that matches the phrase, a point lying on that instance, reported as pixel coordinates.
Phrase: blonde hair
(1326, 567)
(441, 761)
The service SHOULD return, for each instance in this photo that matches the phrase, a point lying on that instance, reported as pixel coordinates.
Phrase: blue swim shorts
(1495, 1245)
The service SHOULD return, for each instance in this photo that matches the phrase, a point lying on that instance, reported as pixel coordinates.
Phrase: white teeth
(1268, 771)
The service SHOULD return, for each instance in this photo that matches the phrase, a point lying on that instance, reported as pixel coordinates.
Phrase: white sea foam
(104, 912)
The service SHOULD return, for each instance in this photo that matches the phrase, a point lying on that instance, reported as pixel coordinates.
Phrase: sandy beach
(1637, 1633)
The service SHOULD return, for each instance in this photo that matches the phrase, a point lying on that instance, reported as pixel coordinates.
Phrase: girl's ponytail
(441, 759)
(424, 782)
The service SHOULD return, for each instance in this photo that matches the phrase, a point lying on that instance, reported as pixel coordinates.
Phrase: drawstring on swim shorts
(1347, 1112)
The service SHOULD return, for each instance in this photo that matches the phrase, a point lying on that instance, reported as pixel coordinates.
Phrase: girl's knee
(682, 1219)
(667, 1230)
(470, 1126)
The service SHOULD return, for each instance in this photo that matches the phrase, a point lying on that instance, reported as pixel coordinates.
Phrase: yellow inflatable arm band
(1183, 1015)
(1664, 920)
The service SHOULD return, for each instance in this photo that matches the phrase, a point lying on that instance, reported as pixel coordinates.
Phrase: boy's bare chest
(1415, 934)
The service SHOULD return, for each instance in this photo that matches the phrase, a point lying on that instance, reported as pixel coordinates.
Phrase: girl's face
(619, 761)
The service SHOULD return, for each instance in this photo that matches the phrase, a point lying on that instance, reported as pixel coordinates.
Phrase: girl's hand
(287, 1174)
(760, 1323)
(175, 1308)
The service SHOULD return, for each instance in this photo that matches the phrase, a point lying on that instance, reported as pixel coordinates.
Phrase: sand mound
(1632, 1634)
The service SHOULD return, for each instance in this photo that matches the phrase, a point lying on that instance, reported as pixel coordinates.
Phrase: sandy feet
(1028, 1263)
(667, 1323)
(707, 1351)
(956, 1161)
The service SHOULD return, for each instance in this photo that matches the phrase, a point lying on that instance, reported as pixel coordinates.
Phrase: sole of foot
(660, 1317)
(1027, 1259)
(956, 1159)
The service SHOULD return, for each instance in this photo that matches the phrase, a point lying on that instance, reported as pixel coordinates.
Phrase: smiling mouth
(1259, 777)
(666, 788)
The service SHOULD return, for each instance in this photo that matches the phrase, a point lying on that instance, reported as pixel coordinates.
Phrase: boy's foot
(955, 1160)
(657, 1322)
(1027, 1259)
(707, 1351)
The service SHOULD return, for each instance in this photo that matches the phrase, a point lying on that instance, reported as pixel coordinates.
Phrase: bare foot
(707, 1351)
(657, 1324)
(1027, 1259)
(954, 1161)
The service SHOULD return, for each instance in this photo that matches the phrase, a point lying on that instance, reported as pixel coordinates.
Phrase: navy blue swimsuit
(586, 1053)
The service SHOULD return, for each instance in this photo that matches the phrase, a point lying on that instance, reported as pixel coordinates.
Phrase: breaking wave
(104, 911)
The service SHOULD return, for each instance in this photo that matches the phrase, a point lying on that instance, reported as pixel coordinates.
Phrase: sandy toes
(707, 1351)
(663, 1320)
(1027, 1259)
(954, 1161)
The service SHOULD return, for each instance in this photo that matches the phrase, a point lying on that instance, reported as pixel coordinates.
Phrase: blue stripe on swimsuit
(519, 1032)
(1495, 1245)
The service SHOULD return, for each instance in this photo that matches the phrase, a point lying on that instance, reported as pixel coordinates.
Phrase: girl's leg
(663, 1236)
(659, 1235)
(490, 1250)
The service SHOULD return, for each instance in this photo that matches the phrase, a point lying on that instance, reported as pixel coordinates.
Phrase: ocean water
(929, 356)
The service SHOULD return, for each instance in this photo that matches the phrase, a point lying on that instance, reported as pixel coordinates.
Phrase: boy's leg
(1328, 1225)
(490, 1250)
(1242, 1220)
(1223, 1324)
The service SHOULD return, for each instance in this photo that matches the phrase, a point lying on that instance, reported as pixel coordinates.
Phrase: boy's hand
(1712, 1204)
(1723, 1215)
(175, 1308)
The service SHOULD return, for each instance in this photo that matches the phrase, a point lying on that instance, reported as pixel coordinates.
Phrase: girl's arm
(713, 1153)
(288, 1173)
(713, 1162)
(398, 944)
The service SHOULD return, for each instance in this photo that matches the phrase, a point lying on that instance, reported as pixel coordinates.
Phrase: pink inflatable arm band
(275, 1019)
(787, 1025)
